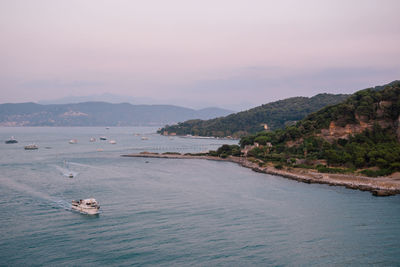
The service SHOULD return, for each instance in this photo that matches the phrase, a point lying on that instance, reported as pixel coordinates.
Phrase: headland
(379, 186)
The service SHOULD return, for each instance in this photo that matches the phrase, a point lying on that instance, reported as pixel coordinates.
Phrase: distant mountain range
(273, 115)
(100, 114)
(106, 97)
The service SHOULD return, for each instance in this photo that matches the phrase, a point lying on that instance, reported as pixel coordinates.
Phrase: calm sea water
(176, 212)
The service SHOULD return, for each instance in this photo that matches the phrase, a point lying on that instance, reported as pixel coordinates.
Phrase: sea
(175, 212)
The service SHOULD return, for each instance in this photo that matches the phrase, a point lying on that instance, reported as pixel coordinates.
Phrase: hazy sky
(225, 53)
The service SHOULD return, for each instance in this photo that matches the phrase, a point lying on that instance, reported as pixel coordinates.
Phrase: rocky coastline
(380, 186)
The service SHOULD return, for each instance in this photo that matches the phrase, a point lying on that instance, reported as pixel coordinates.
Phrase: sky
(233, 54)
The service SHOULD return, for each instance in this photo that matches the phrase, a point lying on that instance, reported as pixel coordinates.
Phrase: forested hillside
(275, 115)
(362, 133)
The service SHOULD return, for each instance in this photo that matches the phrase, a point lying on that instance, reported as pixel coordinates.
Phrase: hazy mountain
(100, 114)
(106, 97)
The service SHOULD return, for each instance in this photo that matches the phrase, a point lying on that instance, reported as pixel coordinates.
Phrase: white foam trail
(64, 204)
(83, 165)
(96, 167)
(23, 188)
(20, 187)
(65, 172)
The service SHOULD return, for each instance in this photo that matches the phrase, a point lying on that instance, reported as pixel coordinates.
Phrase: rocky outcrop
(383, 193)
(335, 132)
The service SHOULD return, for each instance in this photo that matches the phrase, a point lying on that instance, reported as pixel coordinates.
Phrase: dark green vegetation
(362, 133)
(276, 115)
(225, 151)
(99, 114)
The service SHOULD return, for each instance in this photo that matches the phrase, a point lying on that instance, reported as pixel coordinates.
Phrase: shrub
(278, 166)
(380, 172)
(324, 169)
(303, 166)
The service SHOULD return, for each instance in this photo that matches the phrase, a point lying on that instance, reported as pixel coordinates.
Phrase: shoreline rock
(377, 186)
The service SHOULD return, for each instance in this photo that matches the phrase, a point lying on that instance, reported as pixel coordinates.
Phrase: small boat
(113, 142)
(107, 128)
(73, 141)
(89, 206)
(99, 150)
(145, 138)
(70, 174)
(103, 138)
(12, 140)
(31, 147)
(92, 139)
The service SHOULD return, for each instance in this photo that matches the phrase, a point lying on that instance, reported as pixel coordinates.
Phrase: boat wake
(66, 172)
(86, 165)
(20, 187)
(97, 168)
(64, 204)
(27, 190)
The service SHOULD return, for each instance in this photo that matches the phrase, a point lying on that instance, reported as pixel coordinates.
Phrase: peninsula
(355, 143)
(379, 186)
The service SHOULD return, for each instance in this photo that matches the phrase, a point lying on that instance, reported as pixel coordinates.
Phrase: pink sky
(231, 54)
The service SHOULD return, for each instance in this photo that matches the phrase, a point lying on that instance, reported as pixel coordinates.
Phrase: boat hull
(87, 206)
(31, 148)
(89, 211)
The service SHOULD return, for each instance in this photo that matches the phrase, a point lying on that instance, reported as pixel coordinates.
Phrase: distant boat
(107, 128)
(89, 206)
(31, 147)
(73, 141)
(12, 140)
(66, 165)
(145, 138)
(103, 138)
(92, 139)
(99, 150)
(113, 142)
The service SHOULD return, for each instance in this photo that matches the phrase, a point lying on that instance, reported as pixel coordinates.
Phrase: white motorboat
(145, 138)
(73, 141)
(113, 142)
(31, 147)
(89, 206)
(92, 139)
